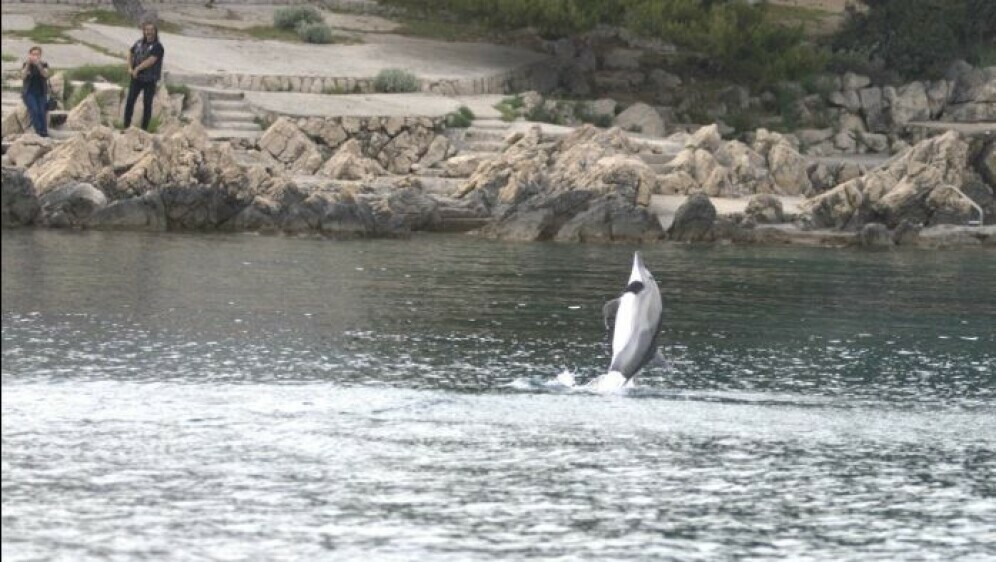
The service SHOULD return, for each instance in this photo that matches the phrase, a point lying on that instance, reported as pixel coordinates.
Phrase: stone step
(235, 125)
(490, 124)
(229, 134)
(440, 185)
(229, 105)
(483, 146)
(232, 116)
(220, 93)
(473, 133)
(658, 168)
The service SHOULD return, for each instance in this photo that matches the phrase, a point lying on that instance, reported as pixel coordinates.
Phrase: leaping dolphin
(636, 319)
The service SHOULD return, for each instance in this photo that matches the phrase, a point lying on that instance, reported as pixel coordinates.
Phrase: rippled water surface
(174, 397)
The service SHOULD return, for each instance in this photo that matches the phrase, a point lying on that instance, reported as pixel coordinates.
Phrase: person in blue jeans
(145, 64)
(34, 90)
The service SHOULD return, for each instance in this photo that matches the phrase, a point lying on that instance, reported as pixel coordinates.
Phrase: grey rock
(664, 80)
(19, 204)
(765, 209)
(873, 110)
(694, 219)
(641, 118)
(908, 103)
(852, 81)
(623, 59)
(135, 213)
(70, 205)
(875, 235)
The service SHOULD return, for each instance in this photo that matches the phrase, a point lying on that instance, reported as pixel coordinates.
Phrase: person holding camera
(145, 64)
(34, 90)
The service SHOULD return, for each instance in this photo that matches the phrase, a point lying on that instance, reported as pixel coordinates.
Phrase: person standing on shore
(34, 90)
(145, 64)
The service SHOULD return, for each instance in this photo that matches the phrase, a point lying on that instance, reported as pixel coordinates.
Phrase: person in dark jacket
(145, 64)
(34, 90)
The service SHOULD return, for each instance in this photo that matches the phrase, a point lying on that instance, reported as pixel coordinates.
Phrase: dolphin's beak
(637, 273)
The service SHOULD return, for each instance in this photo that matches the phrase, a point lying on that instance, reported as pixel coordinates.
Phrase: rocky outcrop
(26, 150)
(85, 116)
(286, 143)
(924, 185)
(19, 203)
(589, 185)
(348, 163)
(81, 159)
(694, 219)
(641, 118)
(15, 122)
(70, 205)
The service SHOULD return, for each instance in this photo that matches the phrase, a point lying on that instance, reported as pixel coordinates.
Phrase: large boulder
(641, 118)
(70, 205)
(19, 203)
(145, 212)
(85, 116)
(128, 148)
(436, 153)
(15, 121)
(285, 142)
(907, 103)
(694, 219)
(26, 150)
(788, 170)
(765, 209)
(610, 219)
(80, 159)
(349, 163)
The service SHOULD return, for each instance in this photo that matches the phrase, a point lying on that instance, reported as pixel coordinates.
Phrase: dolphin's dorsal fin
(609, 312)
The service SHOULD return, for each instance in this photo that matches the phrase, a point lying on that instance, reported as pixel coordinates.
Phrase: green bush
(394, 80)
(318, 33)
(460, 119)
(74, 96)
(292, 17)
(919, 37)
(114, 73)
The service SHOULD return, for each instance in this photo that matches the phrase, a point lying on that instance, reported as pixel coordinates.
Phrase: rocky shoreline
(588, 186)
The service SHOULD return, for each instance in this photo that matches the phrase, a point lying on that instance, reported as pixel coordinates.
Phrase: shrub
(292, 17)
(394, 80)
(460, 119)
(74, 95)
(917, 37)
(114, 73)
(318, 33)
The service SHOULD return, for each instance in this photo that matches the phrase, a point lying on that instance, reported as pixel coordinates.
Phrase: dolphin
(636, 318)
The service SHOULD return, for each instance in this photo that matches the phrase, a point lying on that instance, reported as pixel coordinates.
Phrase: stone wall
(395, 142)
(516, 80)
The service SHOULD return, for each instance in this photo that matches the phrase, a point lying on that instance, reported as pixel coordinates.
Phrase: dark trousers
(37, 111)
(148, 91)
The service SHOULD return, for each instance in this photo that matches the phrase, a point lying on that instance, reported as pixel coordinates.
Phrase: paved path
(968, 129)
(424, 58)
(57, 55)
(367, 105)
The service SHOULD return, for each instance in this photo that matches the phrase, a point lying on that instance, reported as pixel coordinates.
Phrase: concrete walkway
(368, 105)
(424, 58)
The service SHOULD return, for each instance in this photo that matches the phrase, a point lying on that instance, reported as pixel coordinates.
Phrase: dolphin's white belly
(626, 323)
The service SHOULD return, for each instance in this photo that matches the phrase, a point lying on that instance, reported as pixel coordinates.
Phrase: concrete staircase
(485, 135)
(228, 116)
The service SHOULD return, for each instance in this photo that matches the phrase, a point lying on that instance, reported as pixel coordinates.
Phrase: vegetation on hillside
(920, 37)
(754, 43)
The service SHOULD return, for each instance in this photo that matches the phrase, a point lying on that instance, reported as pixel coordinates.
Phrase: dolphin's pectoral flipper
(609, 312)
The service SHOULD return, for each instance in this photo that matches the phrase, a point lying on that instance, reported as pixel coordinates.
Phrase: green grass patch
(103, 17)
(443, 30)
(75, 95)
(395, 80)
(114, 73)
(7, 57)
(43, 33)
(267, 32)
(460, 119)
(508, 106)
